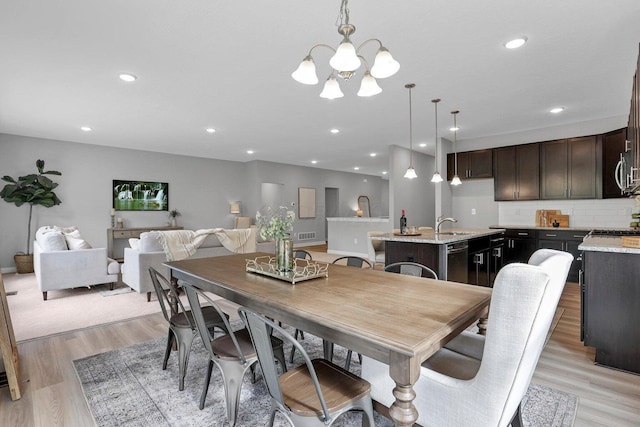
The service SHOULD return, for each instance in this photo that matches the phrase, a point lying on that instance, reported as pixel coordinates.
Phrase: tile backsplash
(582, 213)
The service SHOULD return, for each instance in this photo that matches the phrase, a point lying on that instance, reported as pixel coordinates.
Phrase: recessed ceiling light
(384, 172)
(86, 128)
(211, 130)
(453, 129)
(556, 110)
(249, 151)
(126, 77)
(515, 43)
(422, 144)
(314, 161)
(373, 154)
(335, 131)
(357, 168)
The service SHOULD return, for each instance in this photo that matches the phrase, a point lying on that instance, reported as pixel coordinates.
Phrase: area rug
(69, 309)
(127, 387)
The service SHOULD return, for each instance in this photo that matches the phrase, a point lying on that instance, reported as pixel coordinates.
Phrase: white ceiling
(227, 65)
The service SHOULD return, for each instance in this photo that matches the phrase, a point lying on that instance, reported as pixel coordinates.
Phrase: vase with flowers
(173, 217)
(277, 224)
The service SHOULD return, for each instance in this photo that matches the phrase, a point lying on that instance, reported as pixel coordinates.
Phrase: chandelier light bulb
(345, 58)
(369, 86)
(410, 173)
(384, 65)
(331, 89)
(306, 72)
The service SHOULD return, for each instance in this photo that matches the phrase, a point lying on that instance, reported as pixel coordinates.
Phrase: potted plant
(173, 215)
(33, 189)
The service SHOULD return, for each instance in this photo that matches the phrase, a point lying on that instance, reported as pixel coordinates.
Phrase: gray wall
(201, 189)
(416, 196)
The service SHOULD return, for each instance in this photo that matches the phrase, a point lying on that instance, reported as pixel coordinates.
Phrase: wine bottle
(403, 223)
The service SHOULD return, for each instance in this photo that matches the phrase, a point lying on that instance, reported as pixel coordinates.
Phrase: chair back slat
(158, 281)
(194, 295)
(411, 269)
(354, 261)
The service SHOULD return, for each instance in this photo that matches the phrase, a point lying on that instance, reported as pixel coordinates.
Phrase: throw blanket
(181, 244)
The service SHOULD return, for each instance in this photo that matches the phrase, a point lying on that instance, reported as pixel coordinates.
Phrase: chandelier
(346, 60)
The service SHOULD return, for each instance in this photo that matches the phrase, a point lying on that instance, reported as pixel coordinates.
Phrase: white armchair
(375, 248)
(481, 381)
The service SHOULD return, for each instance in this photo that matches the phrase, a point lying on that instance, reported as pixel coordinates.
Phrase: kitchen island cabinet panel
(425, 254)
(611, 308)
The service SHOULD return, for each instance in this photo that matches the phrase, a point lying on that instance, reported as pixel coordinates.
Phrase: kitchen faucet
(440, 220)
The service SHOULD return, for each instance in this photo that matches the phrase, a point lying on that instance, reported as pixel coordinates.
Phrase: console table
(128, 233)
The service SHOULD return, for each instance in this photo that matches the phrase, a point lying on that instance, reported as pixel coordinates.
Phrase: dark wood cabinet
(423, 253)
(614, 144)
(568, 168)
(519, 244)
(479, 261)
(564, 240)
(516, 172)
(611, 308)
(471, 164)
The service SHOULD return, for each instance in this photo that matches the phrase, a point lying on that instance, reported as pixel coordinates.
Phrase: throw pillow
(75, 240)
(50, 239)
(150, 242)
(135, 244)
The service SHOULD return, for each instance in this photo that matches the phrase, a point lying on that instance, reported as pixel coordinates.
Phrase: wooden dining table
(396, 319)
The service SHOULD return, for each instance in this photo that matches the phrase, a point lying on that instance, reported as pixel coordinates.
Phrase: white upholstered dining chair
(480, 381)
(375, 248)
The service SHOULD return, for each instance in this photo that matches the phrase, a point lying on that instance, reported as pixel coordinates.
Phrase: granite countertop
(455, 235)
(357, 219)
(533, 227)
(606, 244)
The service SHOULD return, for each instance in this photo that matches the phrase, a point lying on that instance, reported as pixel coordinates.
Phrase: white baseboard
(8, 270)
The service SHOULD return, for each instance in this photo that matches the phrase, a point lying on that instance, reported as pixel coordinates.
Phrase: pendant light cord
(410, 132)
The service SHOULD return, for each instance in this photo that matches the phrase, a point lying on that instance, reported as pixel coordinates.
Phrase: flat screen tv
(140, 195)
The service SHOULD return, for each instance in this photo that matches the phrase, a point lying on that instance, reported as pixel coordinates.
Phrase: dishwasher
(457, 263)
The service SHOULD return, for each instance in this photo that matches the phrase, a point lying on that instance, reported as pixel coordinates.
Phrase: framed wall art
(306, 202)
(140, 195)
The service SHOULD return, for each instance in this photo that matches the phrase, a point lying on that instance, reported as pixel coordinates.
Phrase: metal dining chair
(353, 261)
(182, 328)
(315, 393)
(300, 254)
(233, 353)
(411, 269)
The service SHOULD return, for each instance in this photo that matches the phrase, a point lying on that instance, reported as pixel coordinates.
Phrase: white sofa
(63, 260)
(149, 253)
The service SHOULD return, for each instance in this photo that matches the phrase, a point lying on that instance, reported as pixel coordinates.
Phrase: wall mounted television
(140, 195)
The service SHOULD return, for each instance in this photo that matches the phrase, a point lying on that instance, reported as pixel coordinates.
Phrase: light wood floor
(52, 395)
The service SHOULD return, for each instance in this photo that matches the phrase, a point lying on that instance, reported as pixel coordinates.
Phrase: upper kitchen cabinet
(614, 147)
(516, 172)
(569, 169)
(471, 164)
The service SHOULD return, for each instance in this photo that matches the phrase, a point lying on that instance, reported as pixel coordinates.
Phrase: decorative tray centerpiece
(302, 270)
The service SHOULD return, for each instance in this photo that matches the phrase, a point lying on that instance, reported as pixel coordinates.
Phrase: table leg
(405, 372)
(482, 322)
(172, 300)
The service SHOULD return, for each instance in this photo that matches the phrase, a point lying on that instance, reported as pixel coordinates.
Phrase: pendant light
(456, 178)
(436, 175)
(411, 172)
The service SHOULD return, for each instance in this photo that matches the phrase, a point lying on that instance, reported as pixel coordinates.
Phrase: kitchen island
(463, 255)
(610, 301)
